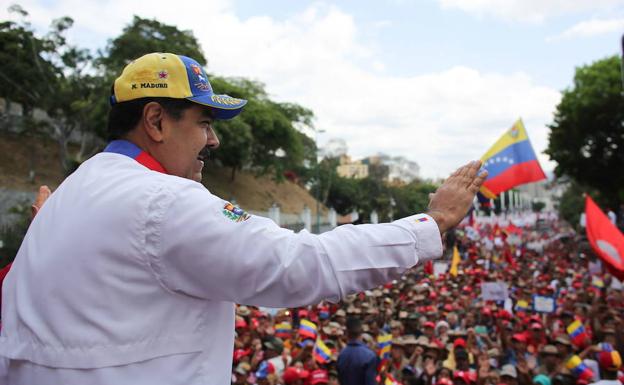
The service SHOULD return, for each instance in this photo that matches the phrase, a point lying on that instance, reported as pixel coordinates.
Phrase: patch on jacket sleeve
(234, 213)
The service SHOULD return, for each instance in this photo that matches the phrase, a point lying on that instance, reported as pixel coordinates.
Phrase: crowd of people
(559, 324)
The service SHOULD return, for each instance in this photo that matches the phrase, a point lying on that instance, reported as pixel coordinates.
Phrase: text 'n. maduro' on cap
(166, 75)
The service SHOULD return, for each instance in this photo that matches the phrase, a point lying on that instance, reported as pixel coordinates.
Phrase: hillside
(250, 192)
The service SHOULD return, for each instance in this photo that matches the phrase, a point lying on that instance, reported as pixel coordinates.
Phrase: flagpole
(511, 200)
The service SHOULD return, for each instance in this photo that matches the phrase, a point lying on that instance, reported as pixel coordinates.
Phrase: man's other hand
(451, 201)
(42, 196)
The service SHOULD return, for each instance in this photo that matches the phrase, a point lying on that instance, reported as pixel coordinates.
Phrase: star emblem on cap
(163, 75)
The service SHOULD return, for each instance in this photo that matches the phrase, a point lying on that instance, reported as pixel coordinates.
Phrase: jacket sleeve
(199, 245)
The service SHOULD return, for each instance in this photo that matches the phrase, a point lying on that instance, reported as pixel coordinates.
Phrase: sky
(436, 81)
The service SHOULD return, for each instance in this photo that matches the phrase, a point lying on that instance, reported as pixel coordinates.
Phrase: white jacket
(129, 276)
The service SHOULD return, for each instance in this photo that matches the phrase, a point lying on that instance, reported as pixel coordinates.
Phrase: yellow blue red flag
(307, 329)
(384, 343)
(322, 353)
(510, 162)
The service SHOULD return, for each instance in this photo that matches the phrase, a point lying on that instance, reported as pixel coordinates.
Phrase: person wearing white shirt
(130, 271)
(612, 216)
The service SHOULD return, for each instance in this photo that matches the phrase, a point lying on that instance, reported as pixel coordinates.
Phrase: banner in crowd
(510, 162)
(606, 240)
(440, 268)
(544, 304)
(494, 291)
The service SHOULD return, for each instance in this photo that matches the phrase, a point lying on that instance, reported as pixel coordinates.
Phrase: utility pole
(318, 181)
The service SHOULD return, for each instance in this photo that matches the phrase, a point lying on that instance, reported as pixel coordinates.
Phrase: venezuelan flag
(510, 162)
(283, 330)
(576, 331)
(384, 343)
(322, 354)
(307, 329)
(579, 369)
(523, 306)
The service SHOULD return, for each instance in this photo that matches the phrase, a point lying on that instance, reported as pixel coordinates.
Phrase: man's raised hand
(451, 201)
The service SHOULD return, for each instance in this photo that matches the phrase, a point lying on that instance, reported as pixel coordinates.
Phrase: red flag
(606, 240)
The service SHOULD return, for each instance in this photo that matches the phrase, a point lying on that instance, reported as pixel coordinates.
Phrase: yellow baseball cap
(166, 75)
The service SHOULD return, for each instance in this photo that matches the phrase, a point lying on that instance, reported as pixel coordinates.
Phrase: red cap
(319, 377)
(610, 360)
(303, 313)
(519, 337)
(468, 377)
(459, 342)
(444, 381)
(292, 374)
(240, 323)
(429, 324)
(502, 313)
(240, 353)
(536, 326)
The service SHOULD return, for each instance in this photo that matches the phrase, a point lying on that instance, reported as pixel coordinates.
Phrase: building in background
(351, 169)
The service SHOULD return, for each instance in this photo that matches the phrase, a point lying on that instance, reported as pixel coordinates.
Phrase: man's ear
(153, 114)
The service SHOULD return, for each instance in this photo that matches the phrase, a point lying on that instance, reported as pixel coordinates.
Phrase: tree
(143, 36)
(572, 203)
(50, 74)
(587, 135)
(266, 134)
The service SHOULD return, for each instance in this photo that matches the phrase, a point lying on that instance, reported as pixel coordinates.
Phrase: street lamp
(318, 181)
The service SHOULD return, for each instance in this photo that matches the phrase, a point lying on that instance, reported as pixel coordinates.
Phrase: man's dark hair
(354, 327)
(123, 117)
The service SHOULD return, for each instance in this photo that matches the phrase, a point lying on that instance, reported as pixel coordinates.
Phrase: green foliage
(48, 73)
(537, 206)
(266, 134)
(572, 204)
(412, 198)
(11, 236)
(372, 193)
(143, 36)
(587, 135)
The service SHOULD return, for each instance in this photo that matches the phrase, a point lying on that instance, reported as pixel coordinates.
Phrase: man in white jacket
(130, 271)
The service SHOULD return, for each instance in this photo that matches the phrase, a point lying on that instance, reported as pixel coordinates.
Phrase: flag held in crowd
(322, 353)
(577, 333)
(523, 306)
(606, 240)
(579, 369)
(384, 343)
(307, 329)
(455, 262)
(510, 162)
(265, 369)
(283, 330)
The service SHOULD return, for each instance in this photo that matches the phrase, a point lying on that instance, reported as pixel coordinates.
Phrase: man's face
(181, 152)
